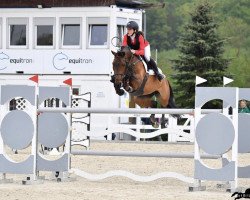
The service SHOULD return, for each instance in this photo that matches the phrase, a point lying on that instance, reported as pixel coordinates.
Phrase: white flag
(227, 80)
(199, 80)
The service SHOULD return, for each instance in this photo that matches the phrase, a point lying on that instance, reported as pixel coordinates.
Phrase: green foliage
(165, 26)
(158, 24)
(201, 54)
(239, 67)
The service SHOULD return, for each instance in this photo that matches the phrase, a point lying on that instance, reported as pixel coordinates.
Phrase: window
(18, 32)
(120, 33)
(70, 32)
(121, 24)
(98, 32)
(98, 35)
(44, 29)
(44, 35)
(120, 29)
(18, 35)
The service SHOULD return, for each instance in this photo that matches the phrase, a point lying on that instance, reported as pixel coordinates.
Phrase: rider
(140, 46)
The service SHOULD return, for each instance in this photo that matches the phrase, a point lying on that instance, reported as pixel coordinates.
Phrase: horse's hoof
(120, 92)
(155, 125)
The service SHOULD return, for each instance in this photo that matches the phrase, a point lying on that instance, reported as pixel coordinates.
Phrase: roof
(74, 3)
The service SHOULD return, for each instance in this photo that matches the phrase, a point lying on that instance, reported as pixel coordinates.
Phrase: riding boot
(154, 67)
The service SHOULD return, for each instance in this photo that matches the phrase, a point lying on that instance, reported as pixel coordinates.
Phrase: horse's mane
(125, 50)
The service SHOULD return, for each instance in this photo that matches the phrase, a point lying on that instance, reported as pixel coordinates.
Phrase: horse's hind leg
(147, 102)
(164, 95)
(144, 101)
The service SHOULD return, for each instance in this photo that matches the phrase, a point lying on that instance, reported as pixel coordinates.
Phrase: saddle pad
(150, 72)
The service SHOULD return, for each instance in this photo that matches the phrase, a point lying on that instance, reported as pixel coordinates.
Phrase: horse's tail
(171, 102)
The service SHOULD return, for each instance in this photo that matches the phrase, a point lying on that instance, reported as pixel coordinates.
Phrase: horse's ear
(114, 53)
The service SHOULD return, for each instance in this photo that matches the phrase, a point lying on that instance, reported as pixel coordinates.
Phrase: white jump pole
(125, 110)
(142, 154)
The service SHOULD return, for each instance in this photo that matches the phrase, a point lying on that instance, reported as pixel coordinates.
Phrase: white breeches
(147, 53)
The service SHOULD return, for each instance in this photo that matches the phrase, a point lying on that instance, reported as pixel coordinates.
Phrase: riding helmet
(132, 25)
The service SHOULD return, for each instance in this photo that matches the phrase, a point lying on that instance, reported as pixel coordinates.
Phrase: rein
(129, 74)
(129, 68)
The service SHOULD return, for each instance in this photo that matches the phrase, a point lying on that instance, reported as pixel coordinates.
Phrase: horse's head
(121, 59)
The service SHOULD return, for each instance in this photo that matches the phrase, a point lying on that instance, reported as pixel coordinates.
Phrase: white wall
(58, 59)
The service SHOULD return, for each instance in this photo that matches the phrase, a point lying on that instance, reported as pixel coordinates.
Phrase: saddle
(147, 69)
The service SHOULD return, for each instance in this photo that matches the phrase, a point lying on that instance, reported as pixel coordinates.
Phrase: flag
(34, 78)
(68, 82)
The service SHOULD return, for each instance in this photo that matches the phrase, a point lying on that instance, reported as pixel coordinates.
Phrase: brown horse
(130, 74)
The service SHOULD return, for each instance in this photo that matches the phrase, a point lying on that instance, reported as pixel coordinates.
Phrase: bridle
(129, 69)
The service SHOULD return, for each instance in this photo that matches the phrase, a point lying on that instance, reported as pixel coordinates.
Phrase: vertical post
(197, 114)
(88, 125)
(138, 124)
(234, 184)
(156, 55)
(171, 123)
(109, 136)
(35, 137)
(70, 129)
(192, 125)
(144, 24)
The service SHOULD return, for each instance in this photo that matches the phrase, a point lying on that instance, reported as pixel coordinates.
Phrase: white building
(59, 41)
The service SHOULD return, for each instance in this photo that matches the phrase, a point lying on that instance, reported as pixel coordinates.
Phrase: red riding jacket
(138, 43)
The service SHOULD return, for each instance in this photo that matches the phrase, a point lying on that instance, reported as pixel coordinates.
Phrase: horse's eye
(115, 64)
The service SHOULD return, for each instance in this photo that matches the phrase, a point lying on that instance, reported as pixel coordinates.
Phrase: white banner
(56, 61)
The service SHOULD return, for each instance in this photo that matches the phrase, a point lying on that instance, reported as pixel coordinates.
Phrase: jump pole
(141, 154)
(125, 110)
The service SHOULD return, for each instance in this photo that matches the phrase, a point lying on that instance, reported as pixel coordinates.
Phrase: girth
(140, 90)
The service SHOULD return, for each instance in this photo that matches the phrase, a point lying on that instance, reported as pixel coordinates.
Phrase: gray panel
(98, 20)
(226, 173)
(18, 20)
(62, 93)
(25, 167)
(215, 133)
(9, 92)
(44, 21)
(205, 94)
(244, 133)
(244, 93)
(53, 165)
(121, 21)
(17, 129)
(244, 172)
(52, 129)
(70, 20)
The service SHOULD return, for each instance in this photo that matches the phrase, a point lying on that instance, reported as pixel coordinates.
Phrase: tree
(158, 29)
(201, 51)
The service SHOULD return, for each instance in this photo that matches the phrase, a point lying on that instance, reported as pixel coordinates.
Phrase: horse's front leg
(154, 121)
(147, 102)
(126, 85)
(118, 89)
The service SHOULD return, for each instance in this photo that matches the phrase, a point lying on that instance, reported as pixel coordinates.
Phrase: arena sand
(120, 188)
